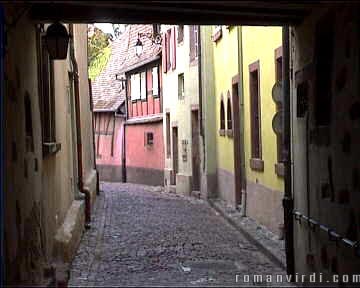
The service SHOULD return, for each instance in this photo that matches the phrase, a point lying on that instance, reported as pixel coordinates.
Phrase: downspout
(83, 190)
(124, 134)
(202, 134)
(241, 102)
(288, 202)
(93, 128)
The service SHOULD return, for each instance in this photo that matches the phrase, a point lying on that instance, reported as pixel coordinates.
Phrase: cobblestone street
(142, 236)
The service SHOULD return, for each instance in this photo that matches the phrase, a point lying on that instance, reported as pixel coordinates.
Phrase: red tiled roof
(107, 92)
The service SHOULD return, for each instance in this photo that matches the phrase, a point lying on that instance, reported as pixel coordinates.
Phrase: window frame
(229, 109)
(181, 88)
(46, 89)
(222, 117)
(256, 162)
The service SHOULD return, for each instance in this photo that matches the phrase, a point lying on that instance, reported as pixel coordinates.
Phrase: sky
(105, 27)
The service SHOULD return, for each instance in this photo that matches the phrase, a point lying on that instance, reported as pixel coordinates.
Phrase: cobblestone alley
(141, 236)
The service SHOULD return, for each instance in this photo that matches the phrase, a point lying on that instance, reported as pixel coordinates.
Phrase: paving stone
(140, 236)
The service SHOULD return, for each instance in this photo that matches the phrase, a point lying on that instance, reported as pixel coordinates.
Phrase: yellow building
(247, 64)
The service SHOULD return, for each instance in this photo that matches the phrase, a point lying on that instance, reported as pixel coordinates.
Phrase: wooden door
(195, 150)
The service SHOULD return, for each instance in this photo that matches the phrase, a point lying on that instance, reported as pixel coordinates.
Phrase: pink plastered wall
(103, 143)
(138, 154)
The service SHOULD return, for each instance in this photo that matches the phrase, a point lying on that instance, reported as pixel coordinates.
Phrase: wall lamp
(155, 38)
(57, 40)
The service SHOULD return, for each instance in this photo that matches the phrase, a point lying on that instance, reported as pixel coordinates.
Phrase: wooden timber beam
(140, 12)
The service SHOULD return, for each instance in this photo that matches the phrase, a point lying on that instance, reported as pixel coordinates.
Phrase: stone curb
(270, 254)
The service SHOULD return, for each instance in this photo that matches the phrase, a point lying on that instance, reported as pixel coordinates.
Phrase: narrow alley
(143, 236)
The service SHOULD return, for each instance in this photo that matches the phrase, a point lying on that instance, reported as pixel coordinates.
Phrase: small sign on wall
(184, 144)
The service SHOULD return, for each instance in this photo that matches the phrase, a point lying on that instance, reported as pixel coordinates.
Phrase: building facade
(261, 60)
(181, 109)
(144, 143)
(242, 149)
(46, 100)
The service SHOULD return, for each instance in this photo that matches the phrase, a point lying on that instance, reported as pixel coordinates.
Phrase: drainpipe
(288, 202)
(124, 134)
(93, 127)
(241, 103)
(82, 189)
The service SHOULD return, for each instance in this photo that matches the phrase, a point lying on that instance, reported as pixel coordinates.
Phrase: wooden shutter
(173, 42)
(164, 49)
(192, 42)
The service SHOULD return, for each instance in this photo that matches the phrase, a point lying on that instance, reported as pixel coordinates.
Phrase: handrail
(332, 234)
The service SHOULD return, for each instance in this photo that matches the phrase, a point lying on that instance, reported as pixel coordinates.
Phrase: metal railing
(332, 234)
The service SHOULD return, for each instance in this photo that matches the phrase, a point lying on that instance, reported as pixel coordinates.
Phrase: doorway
(237, 141)
(195, 150)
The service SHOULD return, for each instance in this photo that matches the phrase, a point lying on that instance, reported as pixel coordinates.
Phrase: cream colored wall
(180, 110)
(259, 43)
(226, 66)
(80, 44)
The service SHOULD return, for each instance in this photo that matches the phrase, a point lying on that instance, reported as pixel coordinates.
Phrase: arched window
(222, 114)
(229, 113)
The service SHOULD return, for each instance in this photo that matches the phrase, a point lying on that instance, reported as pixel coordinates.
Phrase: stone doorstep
(268, 245)
(69, 234)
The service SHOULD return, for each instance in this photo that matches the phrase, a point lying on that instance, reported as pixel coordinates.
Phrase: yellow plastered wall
(259, 43)
(226, 66)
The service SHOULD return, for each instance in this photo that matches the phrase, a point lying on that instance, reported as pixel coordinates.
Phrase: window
(47, 97)
(229, 114)
(138, 86)
(193, 42)
(169, 50)
(155, 81)
(255, 111)
(181, 88)
(222, 117)
(168, 148)
(149, 138)
(180, 37)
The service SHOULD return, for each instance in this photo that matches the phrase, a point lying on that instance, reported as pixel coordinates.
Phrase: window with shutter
(143, 86)
(180, 37)
(164, 52)
(256, 152)
(47, 97)
(155, 81)
(135, 87)
(168, 50)
(173, 50)
(193, 37)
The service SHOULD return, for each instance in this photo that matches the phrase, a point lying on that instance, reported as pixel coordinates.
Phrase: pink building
(129, 134)
(144, 144)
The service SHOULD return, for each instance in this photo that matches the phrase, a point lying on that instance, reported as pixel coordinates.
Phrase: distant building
(144, 143)
(181, 108)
